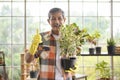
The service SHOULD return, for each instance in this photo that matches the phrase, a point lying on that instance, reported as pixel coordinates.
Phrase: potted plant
(97, 48)
(93, 40)
(111, 46)
(103, 70)
(71, 39)
(34, 69)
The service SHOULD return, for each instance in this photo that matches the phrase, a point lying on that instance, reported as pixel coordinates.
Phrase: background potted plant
(92, 39)
(71, 39)
(92, 43)
(97, 36)
(103, 70)
(111, 46)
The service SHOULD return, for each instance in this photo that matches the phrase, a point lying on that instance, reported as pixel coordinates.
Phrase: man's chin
(56, 32)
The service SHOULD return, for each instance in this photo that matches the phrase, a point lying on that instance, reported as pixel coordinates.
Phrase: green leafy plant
(93, 38)
(111, 46)
(111, 42)
(72, 38)
(103, 70)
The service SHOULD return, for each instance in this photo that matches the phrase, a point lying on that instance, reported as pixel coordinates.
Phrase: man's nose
(57, 25)
(56, 21)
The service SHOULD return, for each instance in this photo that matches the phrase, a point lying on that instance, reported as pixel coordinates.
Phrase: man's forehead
(56, 14)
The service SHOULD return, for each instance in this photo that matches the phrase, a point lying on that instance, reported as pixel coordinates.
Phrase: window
(19, 20)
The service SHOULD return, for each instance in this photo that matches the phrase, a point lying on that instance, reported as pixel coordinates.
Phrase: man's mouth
(57, 25)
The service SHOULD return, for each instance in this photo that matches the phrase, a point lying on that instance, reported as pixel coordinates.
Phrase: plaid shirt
(47, 57)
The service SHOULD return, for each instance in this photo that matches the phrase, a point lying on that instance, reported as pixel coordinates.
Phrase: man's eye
(60, 19)
(56, 19)
(53, 19)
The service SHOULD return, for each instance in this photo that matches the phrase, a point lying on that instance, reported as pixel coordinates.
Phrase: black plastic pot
(68, 63)
(33, 74)
(98, 50)
(91, 50)
(111, 50)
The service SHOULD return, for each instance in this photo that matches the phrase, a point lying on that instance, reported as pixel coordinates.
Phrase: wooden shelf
(99, 54)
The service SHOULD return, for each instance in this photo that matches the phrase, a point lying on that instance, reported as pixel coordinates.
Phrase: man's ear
(64, 19)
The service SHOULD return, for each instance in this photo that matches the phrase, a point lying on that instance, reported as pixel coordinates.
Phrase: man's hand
(36, 40)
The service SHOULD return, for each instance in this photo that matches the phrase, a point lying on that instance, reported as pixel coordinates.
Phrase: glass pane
(90, 62)
(104, 0)
(31, 0)
(46, 6)
(90, 9)
(90, 71)
(116, 11)
(16, 73)
(75, 0)
(18, 30)
(5, 9)
(75, 9)
(105, 58)
(77, 20)
(33, 9)
(104, 28)
(116, 0)
(18, 9)
(18, 0)
(106, 7)
(117, 73)
(59, 0)
(116, 29)
(32, 25)
(117, 67)
(54, 0)
(17, 50)
(64, 6)
(90, 23)
(5, 23)
(44, 26)
(89, 0)
(117, 61)
(5, 0)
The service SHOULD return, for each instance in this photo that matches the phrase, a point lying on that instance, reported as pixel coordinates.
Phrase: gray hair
(54, 10)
